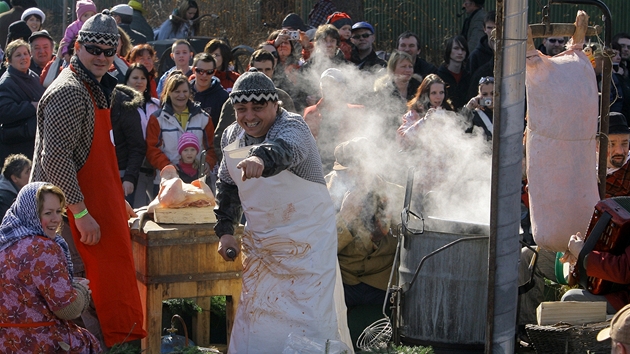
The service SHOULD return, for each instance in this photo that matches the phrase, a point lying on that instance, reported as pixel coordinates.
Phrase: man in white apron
(291, 279)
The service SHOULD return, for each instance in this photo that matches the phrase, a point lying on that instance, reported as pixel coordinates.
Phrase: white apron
(291, 278)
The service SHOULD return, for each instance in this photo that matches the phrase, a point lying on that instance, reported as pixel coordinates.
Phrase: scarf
(22, 220)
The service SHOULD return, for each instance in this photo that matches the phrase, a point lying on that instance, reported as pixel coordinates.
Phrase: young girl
(430, 95)
(42, 284)
(343, 22)
(34, 18)
(188, 166)
(85, 9)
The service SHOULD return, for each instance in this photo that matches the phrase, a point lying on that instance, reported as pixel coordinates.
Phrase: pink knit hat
(84, 6)
(187, 139)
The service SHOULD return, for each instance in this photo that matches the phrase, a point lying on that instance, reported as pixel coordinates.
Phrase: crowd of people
(321, 122)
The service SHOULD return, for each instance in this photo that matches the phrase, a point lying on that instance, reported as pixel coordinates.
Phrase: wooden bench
(181, 261)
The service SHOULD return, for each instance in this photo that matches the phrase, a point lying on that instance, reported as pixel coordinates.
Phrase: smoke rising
(453, 169)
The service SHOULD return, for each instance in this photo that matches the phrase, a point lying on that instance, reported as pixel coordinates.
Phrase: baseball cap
(362, 25)
(619, 329)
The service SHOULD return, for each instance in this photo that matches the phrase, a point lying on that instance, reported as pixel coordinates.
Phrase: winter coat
(8, 192)
(17, 92)
(457, 91)
(135, 36)
(129, 141)
(227, 79)
(212, 99)
(139, 23)
(166, 31)
(480, 55)
(164, 130)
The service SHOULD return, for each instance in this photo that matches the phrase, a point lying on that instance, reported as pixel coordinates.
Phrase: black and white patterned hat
(253, 86)
(100, 29)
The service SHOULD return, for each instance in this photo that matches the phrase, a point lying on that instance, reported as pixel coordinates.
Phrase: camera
(294, 35)
(485, 102)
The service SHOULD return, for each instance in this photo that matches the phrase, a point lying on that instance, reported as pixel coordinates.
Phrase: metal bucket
(445, 307)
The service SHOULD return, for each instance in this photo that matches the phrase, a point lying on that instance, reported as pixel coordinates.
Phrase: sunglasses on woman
(202, 71)
(486, 80)
(96, 51)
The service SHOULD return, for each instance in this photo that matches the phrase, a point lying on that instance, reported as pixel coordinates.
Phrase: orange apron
(109, 264)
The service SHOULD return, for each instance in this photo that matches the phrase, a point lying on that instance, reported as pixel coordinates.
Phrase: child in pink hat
(85, 9)
(188, 148)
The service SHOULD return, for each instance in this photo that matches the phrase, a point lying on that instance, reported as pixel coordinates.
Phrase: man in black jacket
(363, 54)
(123, 14)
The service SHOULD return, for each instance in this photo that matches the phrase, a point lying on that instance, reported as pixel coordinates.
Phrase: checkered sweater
(618, 182)
(65, 128)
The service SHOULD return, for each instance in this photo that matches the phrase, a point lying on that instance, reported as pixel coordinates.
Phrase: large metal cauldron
(446, 305)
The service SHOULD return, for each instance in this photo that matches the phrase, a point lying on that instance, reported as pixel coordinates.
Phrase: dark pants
(363, 294)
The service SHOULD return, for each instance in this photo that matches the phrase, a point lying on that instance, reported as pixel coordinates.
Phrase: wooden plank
(201, 323)
(204, 215)
(573, 312)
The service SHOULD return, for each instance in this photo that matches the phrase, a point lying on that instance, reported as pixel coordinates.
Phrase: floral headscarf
(22, 220)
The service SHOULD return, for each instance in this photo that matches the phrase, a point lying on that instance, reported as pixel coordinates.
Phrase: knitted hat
(84, 6)
(122, 9)
(339, 19)
(187, 139)
(4, 7)
(253, 86)
(136, 5)
(100, 29)
(18, 30)
(33, 11)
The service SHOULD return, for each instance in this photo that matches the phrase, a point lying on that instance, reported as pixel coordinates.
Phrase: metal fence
(242, 21)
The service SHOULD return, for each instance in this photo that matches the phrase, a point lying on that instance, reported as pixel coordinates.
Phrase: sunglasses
(96, 51)
(364, 35)
(486, 80)
(202, 71)
(554, 40)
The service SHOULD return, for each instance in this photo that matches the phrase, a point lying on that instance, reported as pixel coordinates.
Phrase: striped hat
(187, 139)
(100, 29)
(253, 86)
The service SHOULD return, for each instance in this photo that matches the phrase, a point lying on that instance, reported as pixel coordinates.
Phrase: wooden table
(181, 261)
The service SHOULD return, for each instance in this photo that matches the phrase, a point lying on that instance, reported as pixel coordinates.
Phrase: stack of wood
(573, 312)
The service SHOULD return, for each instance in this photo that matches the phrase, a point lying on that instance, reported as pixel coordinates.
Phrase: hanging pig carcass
(562, 105)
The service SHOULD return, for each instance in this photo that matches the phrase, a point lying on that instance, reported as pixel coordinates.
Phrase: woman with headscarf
(180, 23)
(39, 290)
(20, 91)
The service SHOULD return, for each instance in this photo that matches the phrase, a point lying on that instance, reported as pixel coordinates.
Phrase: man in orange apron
(74, 150)
(291, 279)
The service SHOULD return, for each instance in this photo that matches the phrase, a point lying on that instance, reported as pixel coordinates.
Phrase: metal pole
(507, 146)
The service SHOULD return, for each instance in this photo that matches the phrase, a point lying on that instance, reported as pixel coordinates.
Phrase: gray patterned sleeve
(61, 126)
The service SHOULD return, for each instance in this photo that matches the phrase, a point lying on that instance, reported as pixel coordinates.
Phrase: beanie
(253, 86)
(100, 29)
(187, 139)
(136, 5)
(33, 11)
(84, 6)
(339, 19)
(294, 21)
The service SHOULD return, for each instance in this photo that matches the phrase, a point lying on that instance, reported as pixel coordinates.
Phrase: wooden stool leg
(230, 312)
(201, 323)
(152, 344)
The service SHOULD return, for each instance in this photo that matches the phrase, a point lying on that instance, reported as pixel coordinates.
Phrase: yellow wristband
(81, 214)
